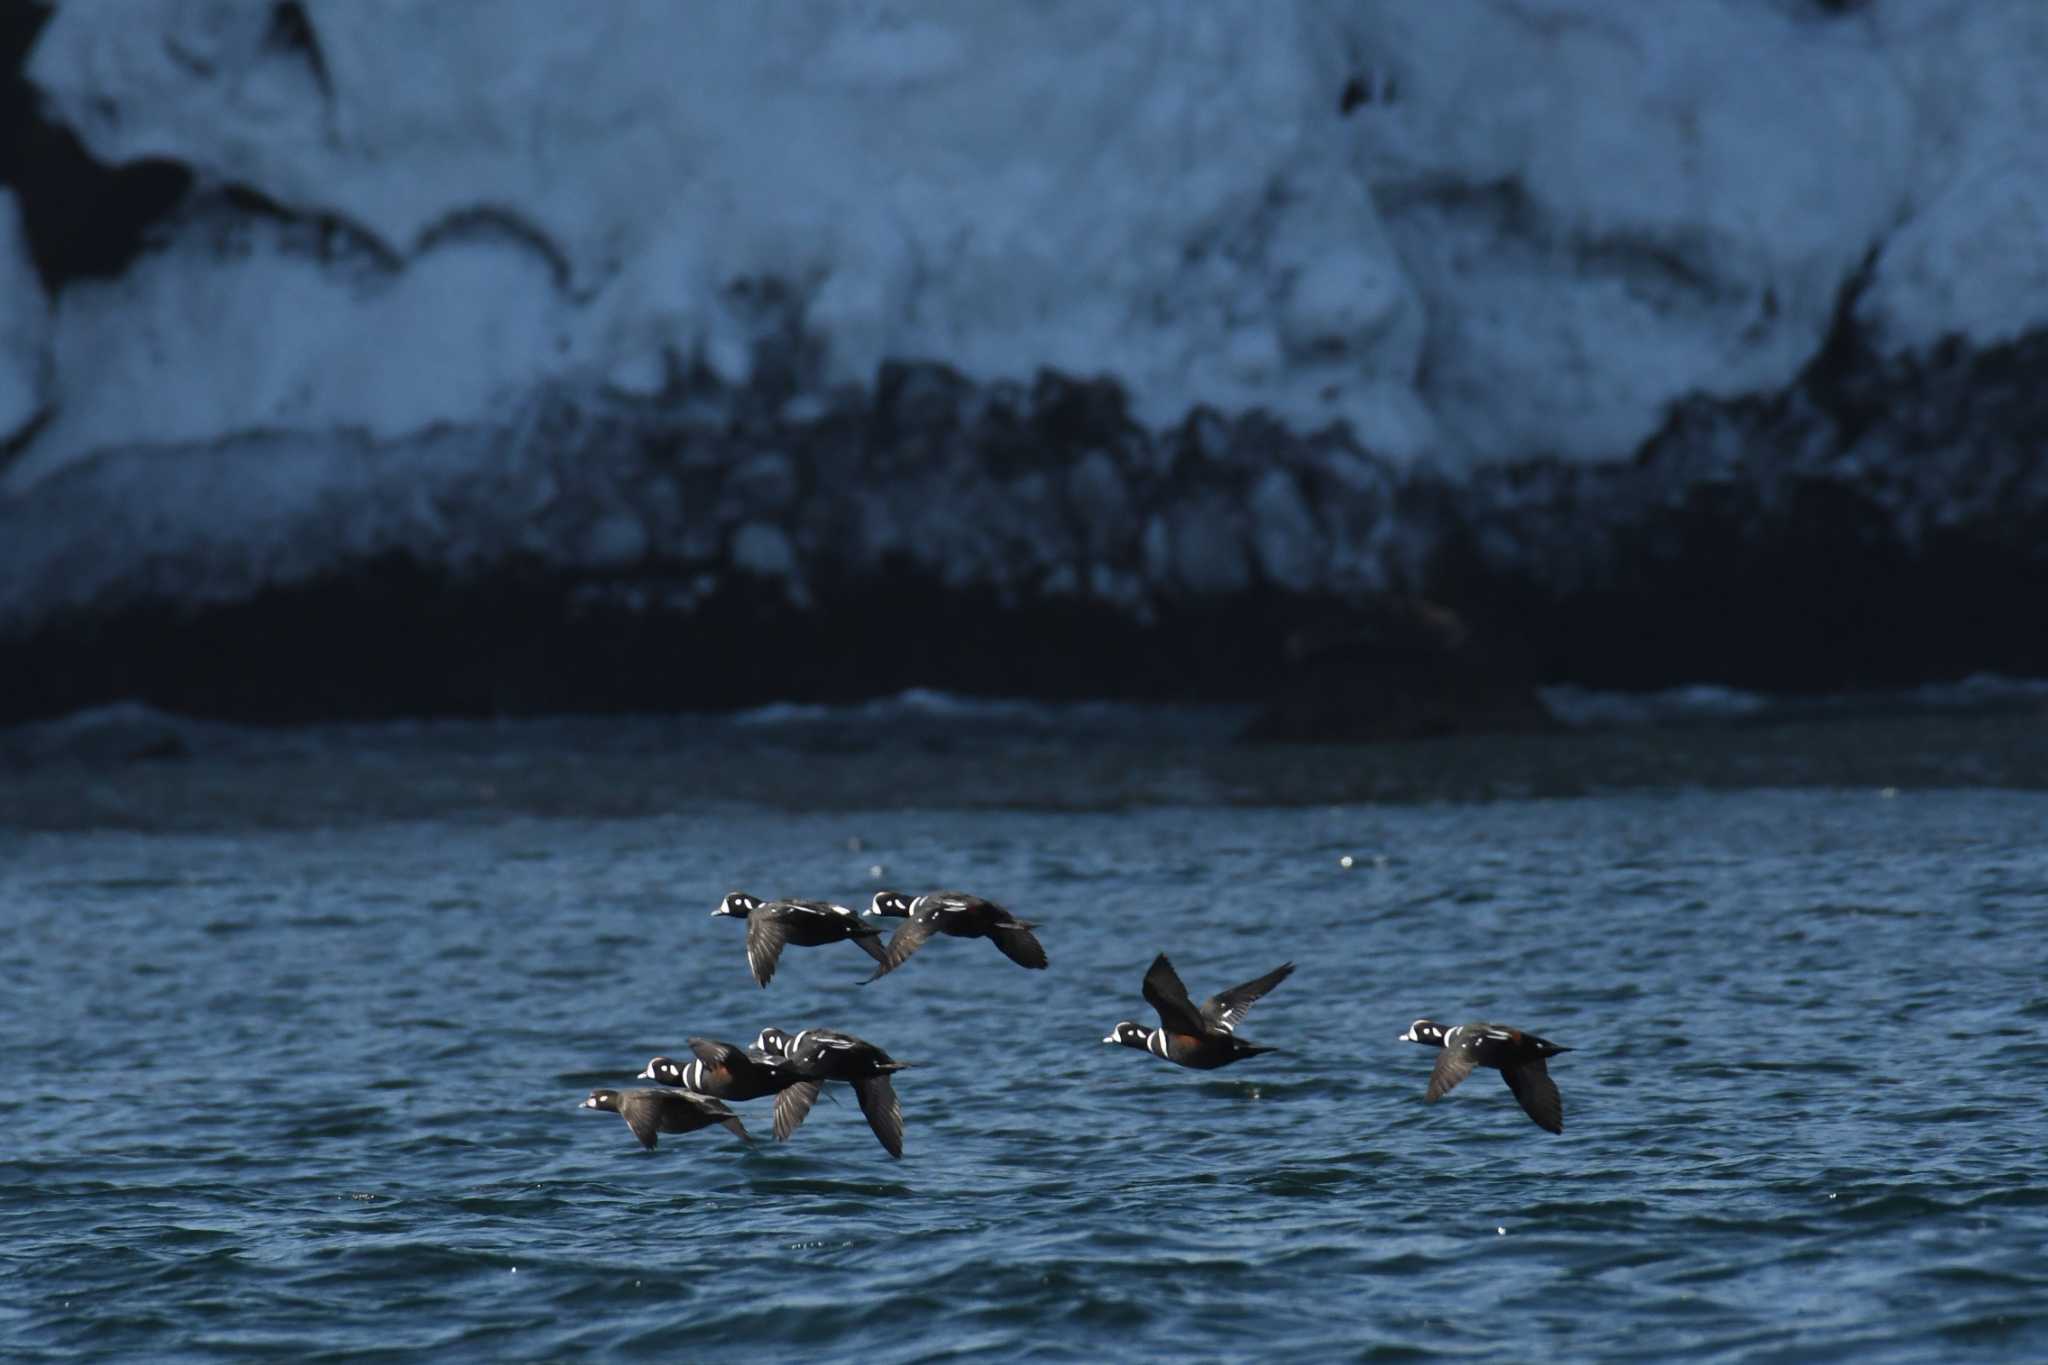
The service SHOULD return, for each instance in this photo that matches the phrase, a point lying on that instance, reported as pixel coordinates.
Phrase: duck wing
(1452, 1065)
(717, 1054)
(870, 940)
(791, 1105)
(715, 1051)
(765, 937)
(1538, 1093)
(884, 1114)
(1019, 944)
(1225, 1010)
(643, 1115)
(907, 940)
(684, 1112)
(1165, 993)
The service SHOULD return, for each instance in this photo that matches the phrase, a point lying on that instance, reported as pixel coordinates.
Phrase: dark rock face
(1872, 527)
(1404, 669)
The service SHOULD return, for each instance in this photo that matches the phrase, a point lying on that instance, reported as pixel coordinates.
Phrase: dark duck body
(723, 1071)
(648, 1112)
(1519, 1057)
(818, 1055)
(808, 924)
(960, 915)
(1204, 1038)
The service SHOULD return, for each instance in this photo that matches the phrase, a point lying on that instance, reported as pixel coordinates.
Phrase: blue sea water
(296, 1026)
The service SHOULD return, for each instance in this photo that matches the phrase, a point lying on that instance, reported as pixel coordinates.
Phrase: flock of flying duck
(794, 1067)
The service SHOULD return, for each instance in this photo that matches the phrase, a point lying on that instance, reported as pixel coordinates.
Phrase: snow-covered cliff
(423, 242)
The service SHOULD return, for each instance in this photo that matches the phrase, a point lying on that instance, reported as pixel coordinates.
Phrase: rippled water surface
(306, 1086)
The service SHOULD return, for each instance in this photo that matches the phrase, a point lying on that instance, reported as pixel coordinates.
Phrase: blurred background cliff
(1392, 369)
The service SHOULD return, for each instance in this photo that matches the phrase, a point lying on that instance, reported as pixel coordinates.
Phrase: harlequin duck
(648, 1112)
(819, 1055)
(1517, 1055)
(958, 914)
(1205, 1038)
(770, 924)
(723, 1071)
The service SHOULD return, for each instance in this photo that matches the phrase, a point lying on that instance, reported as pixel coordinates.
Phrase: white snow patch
(1972, 259)
(1606, 207)
(235, 328)
(1548, 220)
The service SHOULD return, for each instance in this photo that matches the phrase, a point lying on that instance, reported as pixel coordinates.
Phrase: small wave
(863, 1190)
(1900, 1206)
(122, 731)
(927, 709)
(1584, 708)
(915, 702)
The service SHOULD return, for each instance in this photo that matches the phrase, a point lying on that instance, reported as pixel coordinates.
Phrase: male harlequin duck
(1205, 1038)
(723, 1071)
(1519, 1057)
(648, 1112)
(770, 924)
(958, 914)
(819, 1055)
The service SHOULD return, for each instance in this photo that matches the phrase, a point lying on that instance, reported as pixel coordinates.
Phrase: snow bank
(621, 290)
(1475, 232)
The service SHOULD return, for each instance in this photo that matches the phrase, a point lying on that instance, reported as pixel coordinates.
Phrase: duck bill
(1111, 1039)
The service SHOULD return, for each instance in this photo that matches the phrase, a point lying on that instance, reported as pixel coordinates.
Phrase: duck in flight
(1519, 1057)
(817, 1055)
(1204, 1038)
(649, 1112)
(808, 924)
(958, 914)
(723, 1071)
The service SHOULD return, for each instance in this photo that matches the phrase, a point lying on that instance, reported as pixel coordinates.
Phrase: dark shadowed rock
(1405, 668)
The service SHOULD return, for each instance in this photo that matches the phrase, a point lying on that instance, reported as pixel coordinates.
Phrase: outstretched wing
(792, 1105)
(1165, 993)
(1227, 1009)
(765, 937)
(1452, 1065)
(1538, 1093)
(642, 1117)
(715, 1051)
(906, 941)
(885, 1115)
(732, 1125)
(1019, 945)
(870, 941)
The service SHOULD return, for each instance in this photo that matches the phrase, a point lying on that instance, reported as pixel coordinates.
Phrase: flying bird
(1519, 1057)
(1203, 1038)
